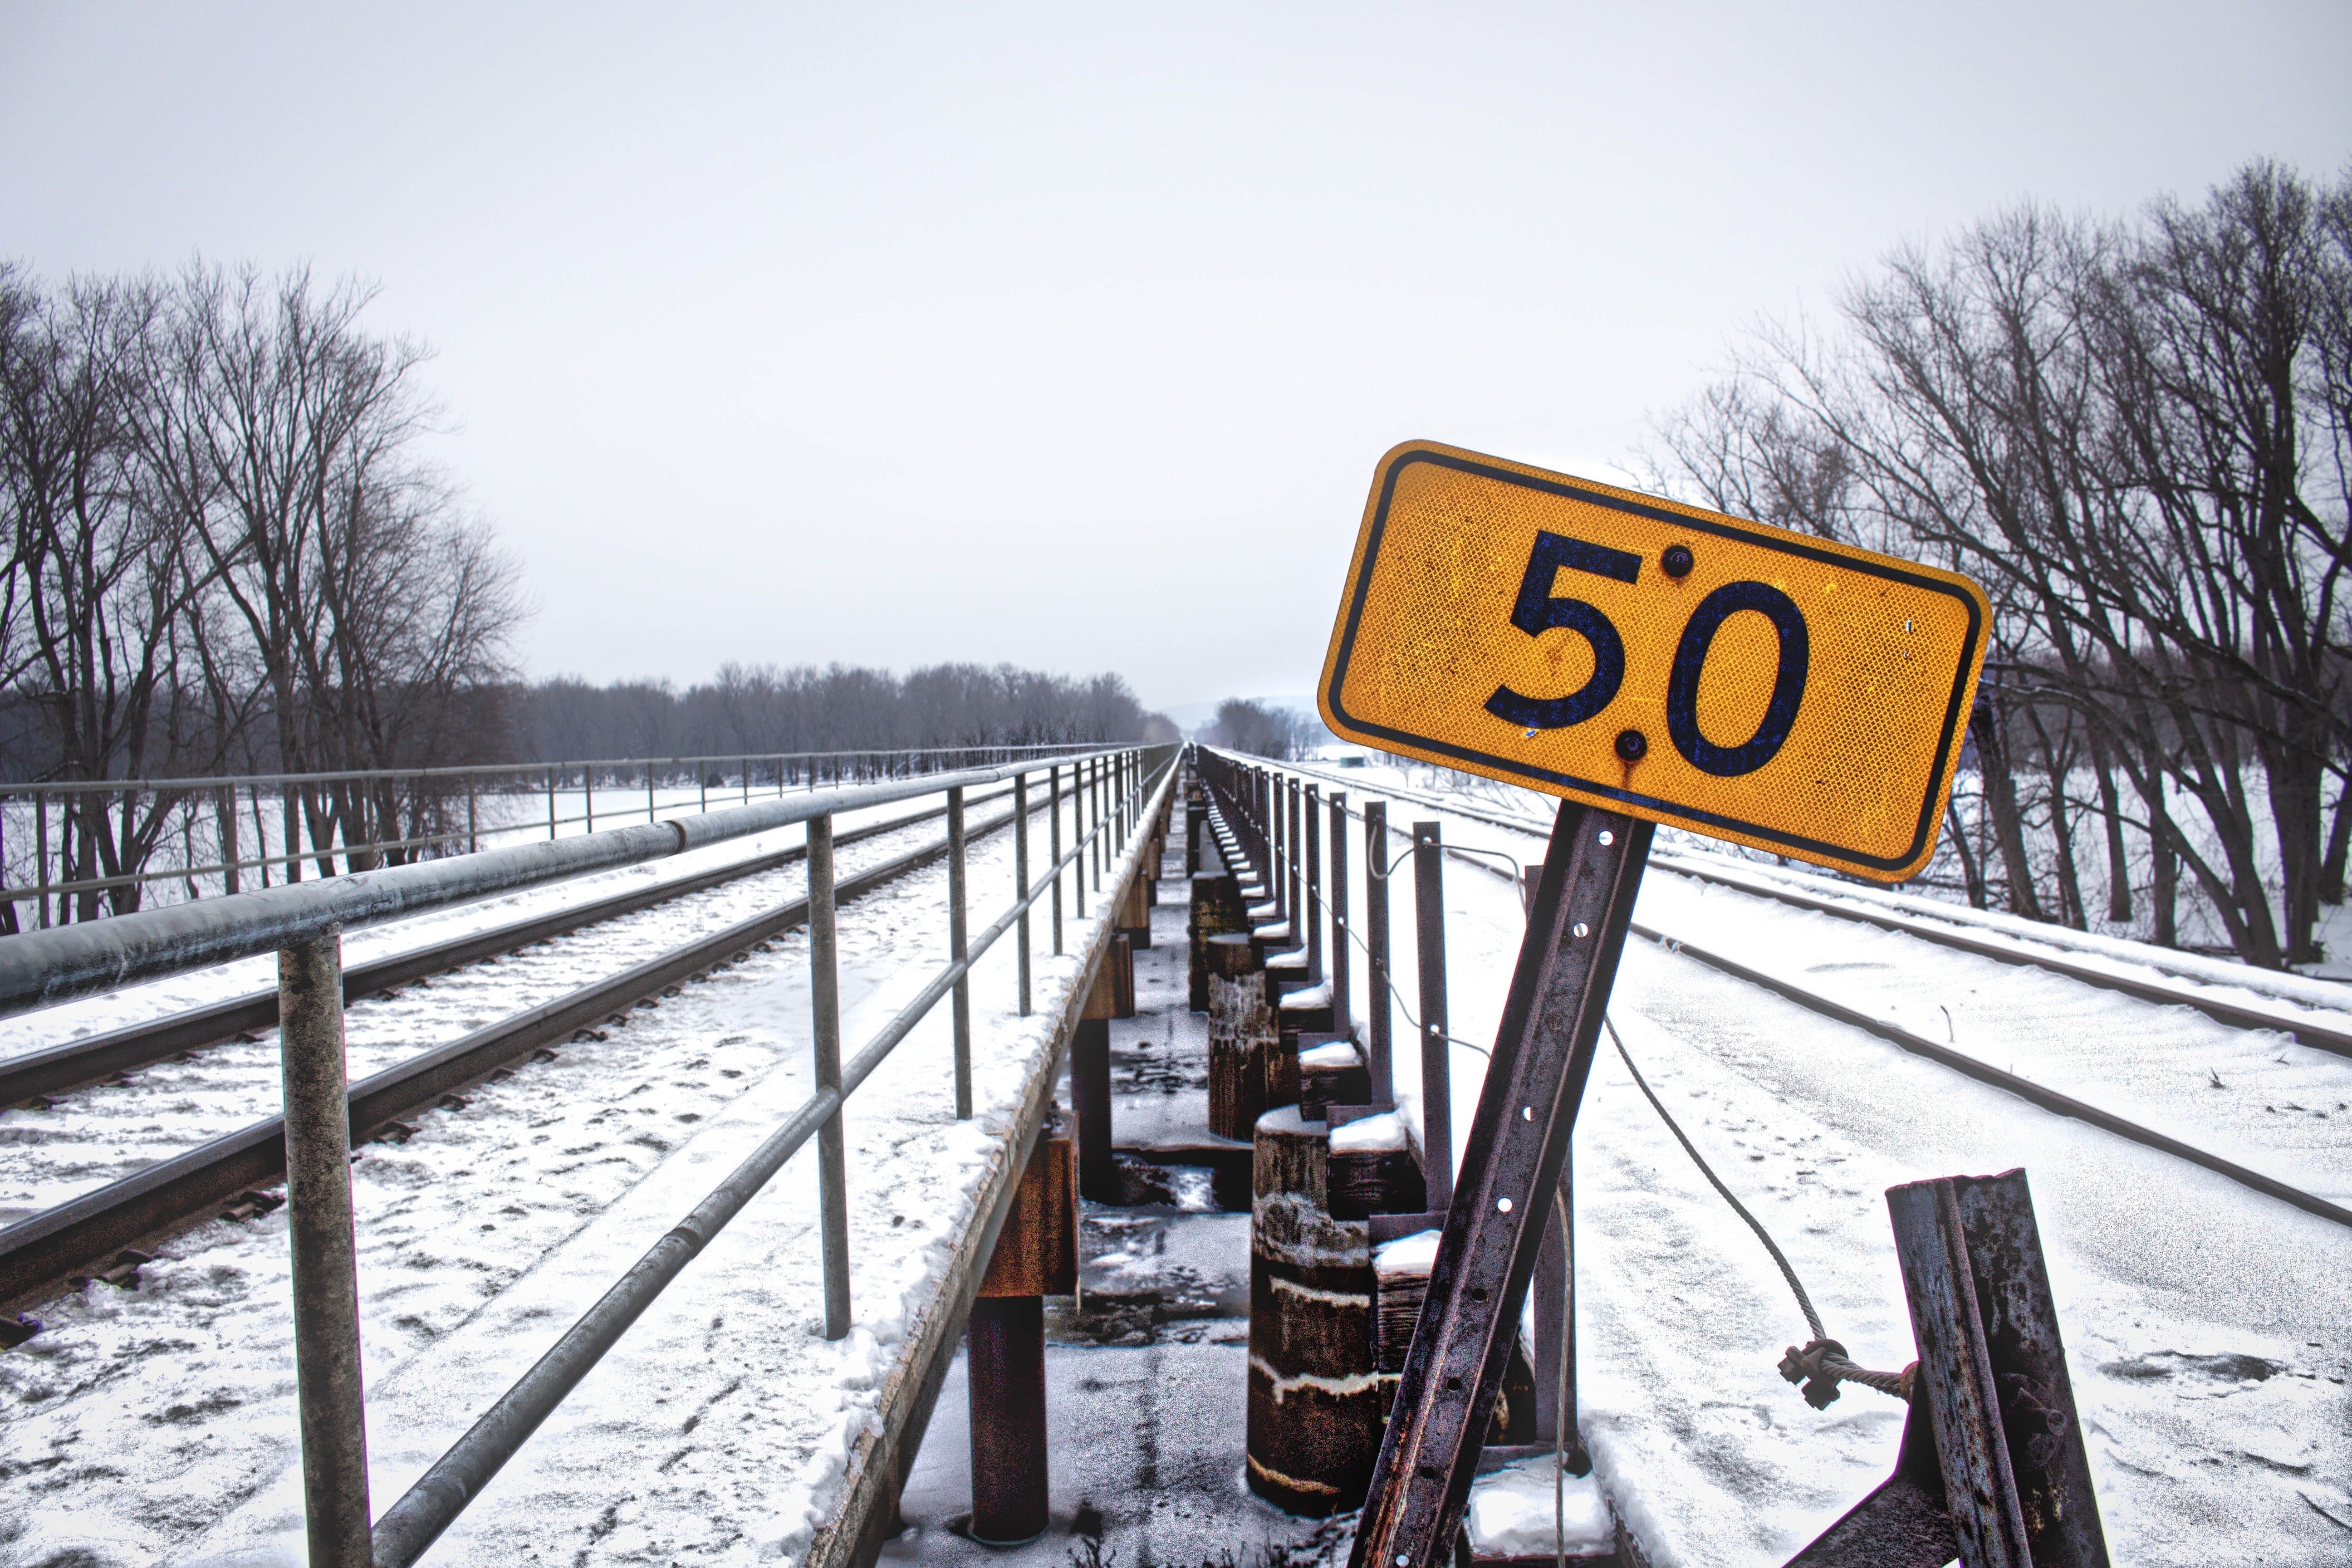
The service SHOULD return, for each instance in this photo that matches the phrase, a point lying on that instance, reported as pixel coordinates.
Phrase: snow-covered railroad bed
(2254, 1096)
(101, 1133)
(2208, 1329)
(157, 1425)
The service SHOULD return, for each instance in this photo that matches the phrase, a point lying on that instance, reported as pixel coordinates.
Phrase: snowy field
(157, 1425)
(2209, 1328)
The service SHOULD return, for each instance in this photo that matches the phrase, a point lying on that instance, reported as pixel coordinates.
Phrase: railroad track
(30, 1079)
(1958, 1061)
(1936, 928)
(89, 1234)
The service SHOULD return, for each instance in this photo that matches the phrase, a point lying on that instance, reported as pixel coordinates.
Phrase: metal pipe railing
(528, 779)
(304, 923)
(414, 1522)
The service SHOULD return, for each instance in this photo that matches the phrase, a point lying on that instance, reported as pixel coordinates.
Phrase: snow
(1385, 1131)
(718, 1431)
(1512, 1512)
(2208, 1329)
(2130, 956)
(1332, 1053)
(1414, 1254)
(1316, 995)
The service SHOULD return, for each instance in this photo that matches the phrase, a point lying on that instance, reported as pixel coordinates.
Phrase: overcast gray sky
(1069, 336)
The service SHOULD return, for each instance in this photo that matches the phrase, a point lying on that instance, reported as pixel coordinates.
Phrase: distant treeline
(1260, 730)
(758, 709)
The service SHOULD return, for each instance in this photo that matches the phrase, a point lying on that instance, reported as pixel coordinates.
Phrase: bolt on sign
(1737, 680)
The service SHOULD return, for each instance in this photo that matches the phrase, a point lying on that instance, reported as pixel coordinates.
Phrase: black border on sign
(1787, 543)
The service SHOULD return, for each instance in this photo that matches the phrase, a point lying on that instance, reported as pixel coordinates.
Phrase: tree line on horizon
(223, 551)
(750, 709)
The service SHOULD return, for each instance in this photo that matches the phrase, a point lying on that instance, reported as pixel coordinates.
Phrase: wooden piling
(1216, 910)
(1314, 1391)
(1241, 1035)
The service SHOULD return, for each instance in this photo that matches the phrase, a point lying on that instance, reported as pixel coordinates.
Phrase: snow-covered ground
(157, 1425)
(2209, 1328)
(104, 1133)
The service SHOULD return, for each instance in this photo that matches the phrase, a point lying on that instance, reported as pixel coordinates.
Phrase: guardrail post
(1436, 1057)
(957, 950)
(1379, 1042)
(1312, 811)
(473, 819)
(1343, 1004)
(41, 852)
(230, 880)
(551, 806)
(1053, 846)
(1299, 890)
(824, 1004)
(325, 1256)
(1021, 876)
(1078, 842)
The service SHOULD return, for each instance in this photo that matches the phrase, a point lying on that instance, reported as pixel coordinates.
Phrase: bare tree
(2137, 439)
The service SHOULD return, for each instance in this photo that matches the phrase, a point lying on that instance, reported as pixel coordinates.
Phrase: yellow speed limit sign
(1737, 680)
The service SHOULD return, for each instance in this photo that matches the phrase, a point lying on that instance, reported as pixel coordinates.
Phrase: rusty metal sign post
(1502, 1195)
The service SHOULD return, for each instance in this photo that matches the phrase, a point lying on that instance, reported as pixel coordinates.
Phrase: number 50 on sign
(1737, 680)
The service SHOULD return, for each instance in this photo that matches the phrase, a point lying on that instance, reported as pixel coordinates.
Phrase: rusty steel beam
(1518, 1145)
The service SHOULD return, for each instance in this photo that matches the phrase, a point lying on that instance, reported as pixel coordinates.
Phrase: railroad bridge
(1084, 1155)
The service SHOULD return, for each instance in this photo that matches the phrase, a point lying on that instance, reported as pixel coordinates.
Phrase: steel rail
(410, 1525)
(38, 1251)
(2024, 1089)
(2318, 1035)
(44, 967)
(70, 1064)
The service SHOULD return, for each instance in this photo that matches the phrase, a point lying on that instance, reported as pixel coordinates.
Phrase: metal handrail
(303, 922)
(410, 1525)
(533, 777)
(485, 770)
(45, 967)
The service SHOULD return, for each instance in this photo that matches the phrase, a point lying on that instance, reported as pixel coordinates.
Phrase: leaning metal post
(1436, 1058)
(824, 1004)
(1021, 877)
(325, 1257)
(1518, 1146)
(961, 1002)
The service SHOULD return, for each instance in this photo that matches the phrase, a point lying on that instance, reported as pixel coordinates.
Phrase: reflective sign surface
(1737, 680)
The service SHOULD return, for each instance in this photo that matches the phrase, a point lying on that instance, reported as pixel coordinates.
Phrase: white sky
(1070, 336)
